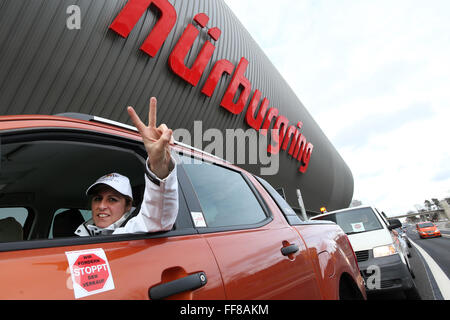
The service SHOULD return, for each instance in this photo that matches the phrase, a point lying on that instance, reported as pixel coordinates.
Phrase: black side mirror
(394, 224)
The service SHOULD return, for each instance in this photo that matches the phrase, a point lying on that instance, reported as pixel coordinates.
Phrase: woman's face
(108, 206)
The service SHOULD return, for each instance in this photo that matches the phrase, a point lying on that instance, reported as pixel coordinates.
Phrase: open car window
(47, 175)
(47, 172)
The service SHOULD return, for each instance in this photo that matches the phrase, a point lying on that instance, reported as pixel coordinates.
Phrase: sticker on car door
(198, 218)
(90, 272)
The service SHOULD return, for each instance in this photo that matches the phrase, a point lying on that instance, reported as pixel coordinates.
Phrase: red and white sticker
(198, 218)
(358, 227)
(90, 272)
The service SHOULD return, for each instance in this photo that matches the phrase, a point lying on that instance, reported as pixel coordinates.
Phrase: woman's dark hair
(99, 188)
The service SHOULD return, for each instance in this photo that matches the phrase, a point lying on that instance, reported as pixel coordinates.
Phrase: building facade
(214, 84)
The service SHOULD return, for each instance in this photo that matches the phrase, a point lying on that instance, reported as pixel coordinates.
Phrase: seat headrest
(66, 223)
(10, 230)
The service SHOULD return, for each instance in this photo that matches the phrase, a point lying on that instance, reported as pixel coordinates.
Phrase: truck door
(259, 255)
(41, 174)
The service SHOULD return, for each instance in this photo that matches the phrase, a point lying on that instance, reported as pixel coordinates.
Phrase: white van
(381, 259)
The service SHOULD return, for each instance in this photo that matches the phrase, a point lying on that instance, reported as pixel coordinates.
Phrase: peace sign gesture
(156, 140)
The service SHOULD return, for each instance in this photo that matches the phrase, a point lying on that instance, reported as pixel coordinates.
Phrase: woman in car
(111, 195)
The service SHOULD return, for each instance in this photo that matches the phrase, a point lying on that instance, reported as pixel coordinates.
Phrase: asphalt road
(437, 248)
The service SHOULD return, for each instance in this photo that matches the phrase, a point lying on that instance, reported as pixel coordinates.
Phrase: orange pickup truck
(234, 238)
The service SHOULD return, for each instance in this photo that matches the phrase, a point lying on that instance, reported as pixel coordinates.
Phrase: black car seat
(66, 223)
(10, 230)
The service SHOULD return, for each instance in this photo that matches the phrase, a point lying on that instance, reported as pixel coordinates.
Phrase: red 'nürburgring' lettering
(282, 134)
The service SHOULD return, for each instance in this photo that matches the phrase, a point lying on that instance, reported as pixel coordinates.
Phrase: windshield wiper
(353, 232)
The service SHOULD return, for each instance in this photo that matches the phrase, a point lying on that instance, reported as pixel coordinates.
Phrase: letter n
(237, 80)
(133, 11)
(306, 157)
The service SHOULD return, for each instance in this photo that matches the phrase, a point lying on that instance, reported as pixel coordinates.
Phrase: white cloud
(356, 60)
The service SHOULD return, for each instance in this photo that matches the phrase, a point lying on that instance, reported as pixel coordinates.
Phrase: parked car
(404, 235)
(403, 241)
(235, 237)
(427, 229)
(381, 258)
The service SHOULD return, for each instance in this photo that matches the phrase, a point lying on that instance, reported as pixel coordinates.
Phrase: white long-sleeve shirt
(159, 209)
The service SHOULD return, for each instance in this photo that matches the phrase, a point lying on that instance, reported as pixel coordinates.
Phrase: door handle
(188, 283)
(293, 248)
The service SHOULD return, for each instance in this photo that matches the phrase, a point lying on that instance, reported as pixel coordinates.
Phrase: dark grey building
(97, 57)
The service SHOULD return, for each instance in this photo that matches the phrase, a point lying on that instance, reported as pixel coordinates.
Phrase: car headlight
(383, 251)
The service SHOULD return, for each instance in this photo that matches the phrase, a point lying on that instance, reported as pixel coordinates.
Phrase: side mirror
(394, 224)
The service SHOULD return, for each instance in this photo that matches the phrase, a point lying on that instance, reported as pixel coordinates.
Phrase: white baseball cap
(116, 181)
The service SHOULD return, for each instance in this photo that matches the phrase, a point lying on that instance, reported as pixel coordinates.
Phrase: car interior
(41, 178)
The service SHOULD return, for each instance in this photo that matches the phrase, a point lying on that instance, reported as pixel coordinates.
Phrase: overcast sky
(375, 75)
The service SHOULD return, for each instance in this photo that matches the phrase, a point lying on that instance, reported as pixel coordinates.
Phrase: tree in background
(436, 203)
(428, 205)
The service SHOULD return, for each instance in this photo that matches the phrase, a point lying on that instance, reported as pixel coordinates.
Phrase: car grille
(388, 283)
(362, 255)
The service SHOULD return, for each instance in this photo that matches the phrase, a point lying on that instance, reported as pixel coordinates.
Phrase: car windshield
(426, 225)
(355, 220)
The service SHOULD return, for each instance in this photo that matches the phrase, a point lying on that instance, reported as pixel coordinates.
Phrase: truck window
(12, 222)
(288, 212)
(83, 214)
(47, 175)
(18, 213)
(225, 197)
(355, 220)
